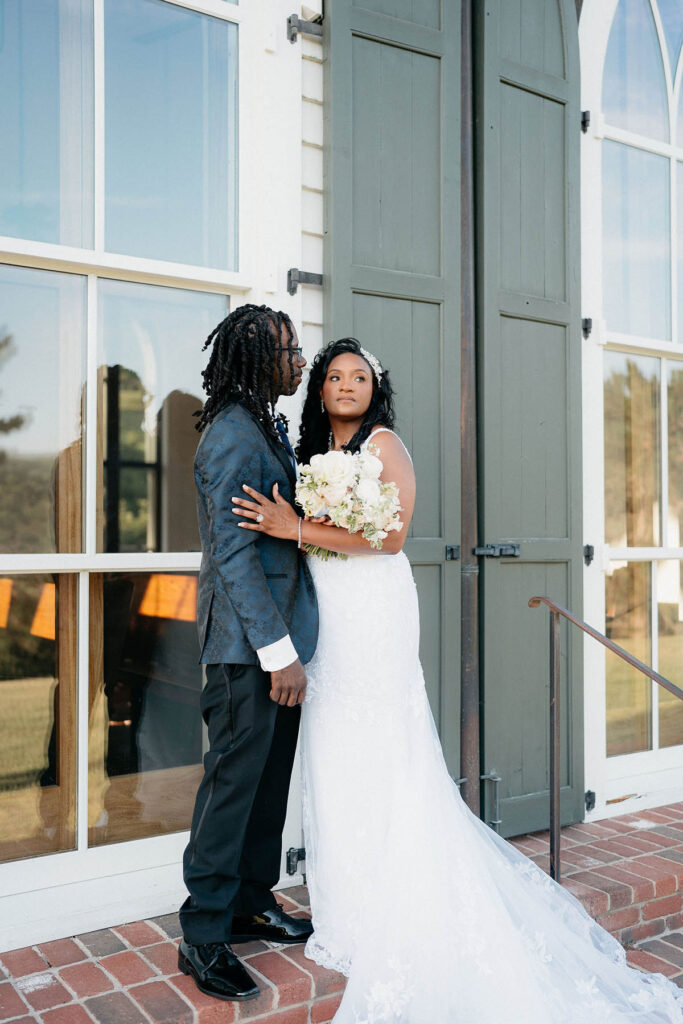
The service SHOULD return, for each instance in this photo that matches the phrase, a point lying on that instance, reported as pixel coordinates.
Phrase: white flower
(334, 492)
(368, 491)
(370, 465)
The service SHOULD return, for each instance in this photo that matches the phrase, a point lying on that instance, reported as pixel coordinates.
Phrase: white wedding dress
(433, 918)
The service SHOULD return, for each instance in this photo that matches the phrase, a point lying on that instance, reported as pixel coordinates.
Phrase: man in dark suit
(258, 625)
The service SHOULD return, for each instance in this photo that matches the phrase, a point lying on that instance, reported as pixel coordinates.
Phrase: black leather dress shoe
(273, 925)
(216, 970)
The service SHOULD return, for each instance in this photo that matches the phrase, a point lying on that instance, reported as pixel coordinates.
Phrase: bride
(479, 935)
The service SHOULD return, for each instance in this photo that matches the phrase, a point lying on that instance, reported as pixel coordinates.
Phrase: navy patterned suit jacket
(253, 589)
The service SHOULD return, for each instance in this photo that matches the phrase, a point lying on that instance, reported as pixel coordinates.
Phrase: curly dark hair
(244, 364)
(315, 422)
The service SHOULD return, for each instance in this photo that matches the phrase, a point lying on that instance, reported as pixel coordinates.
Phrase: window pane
(636, 241)
(632, 450)
(145, 723)
(42, 328)
(629, 700)
(46, 82)
(171, 133)
(150, 354)
(633, 85)
(675, 418)
(37, 715)
(670, 616)
(671, 12)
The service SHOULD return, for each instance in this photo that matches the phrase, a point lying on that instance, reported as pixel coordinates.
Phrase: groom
(258, 624)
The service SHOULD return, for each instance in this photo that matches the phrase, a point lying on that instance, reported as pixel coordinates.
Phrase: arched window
(633, 181)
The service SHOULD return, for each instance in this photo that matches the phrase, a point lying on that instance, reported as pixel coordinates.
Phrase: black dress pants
(233, 858)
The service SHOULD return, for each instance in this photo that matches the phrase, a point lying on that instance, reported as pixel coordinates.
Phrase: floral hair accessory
(373, 362)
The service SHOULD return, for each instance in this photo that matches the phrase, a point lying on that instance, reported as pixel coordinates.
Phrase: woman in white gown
(480, 935)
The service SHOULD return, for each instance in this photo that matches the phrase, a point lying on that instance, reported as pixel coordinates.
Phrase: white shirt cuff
(278, 655)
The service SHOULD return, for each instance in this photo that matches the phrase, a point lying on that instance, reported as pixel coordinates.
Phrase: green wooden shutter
(392, 275)
(529, 367)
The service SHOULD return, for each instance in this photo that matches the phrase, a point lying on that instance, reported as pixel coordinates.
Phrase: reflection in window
(628, 692)
(671, 12)
(42, 327)
(632, 450)
(151, 349)
(171, 130)
(37, 716)
(670, 624)
(145, 723)
(633, 87)
(46, 77)
(636, 241)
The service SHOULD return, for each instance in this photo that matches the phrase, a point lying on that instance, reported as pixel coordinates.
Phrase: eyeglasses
(296, 351)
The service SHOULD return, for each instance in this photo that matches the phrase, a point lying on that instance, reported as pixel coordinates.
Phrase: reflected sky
(171, 178)
(46, 121)
(41, 367)
(633, 88)
(636, 241)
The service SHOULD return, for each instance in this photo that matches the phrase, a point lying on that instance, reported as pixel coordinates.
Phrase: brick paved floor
(128, 974)
(627, 871)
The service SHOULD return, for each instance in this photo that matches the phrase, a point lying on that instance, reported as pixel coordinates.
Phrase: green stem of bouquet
(324, 553)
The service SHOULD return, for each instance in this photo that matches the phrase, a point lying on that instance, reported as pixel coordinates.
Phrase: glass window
(150, 351)
(671, 12)
(145, 723)
(46, 121)
(37, 715)
(42, 326)
(171, 173)
(632, 450)
(629, 692)
(670, 620)
(675, 418)
(634, 87)
(636, 241)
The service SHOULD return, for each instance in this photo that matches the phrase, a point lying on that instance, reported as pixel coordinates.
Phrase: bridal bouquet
(347, 488)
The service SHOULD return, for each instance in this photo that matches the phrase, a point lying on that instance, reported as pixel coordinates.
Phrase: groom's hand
(288, 685)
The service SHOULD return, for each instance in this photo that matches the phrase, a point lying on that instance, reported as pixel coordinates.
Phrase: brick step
(627, 871)
(129, 975)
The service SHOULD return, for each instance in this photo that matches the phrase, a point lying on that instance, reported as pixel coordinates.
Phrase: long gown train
(433, 917)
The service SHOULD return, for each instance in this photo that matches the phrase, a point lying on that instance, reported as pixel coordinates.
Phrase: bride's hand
(277, 518)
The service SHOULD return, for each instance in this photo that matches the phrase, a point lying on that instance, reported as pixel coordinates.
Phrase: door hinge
(294, 855)
(588, 553)
(494, 778)
(585, 120)
(497, 551)
(452, 552)
(589, 797)
(295, 25)
(296, 277)
(586, 326)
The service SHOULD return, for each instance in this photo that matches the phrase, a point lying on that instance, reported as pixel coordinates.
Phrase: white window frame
(636, 781)
(64, 893)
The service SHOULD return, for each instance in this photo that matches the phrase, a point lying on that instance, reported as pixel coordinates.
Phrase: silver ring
(259, 518)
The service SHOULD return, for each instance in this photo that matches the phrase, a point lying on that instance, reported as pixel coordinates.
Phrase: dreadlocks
(315, 423)
(245, 364)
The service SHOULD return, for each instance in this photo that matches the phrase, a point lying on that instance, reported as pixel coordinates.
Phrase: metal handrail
(555, 611)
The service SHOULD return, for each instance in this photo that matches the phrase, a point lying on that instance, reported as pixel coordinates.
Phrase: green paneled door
(529, 367)
(392, 273)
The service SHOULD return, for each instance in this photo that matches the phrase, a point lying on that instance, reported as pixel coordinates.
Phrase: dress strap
(387, 430)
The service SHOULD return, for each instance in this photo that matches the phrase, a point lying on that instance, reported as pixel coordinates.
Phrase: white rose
(339, 467)
(334, 492)
(371, 466)
(368, 491)
(317, 463)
